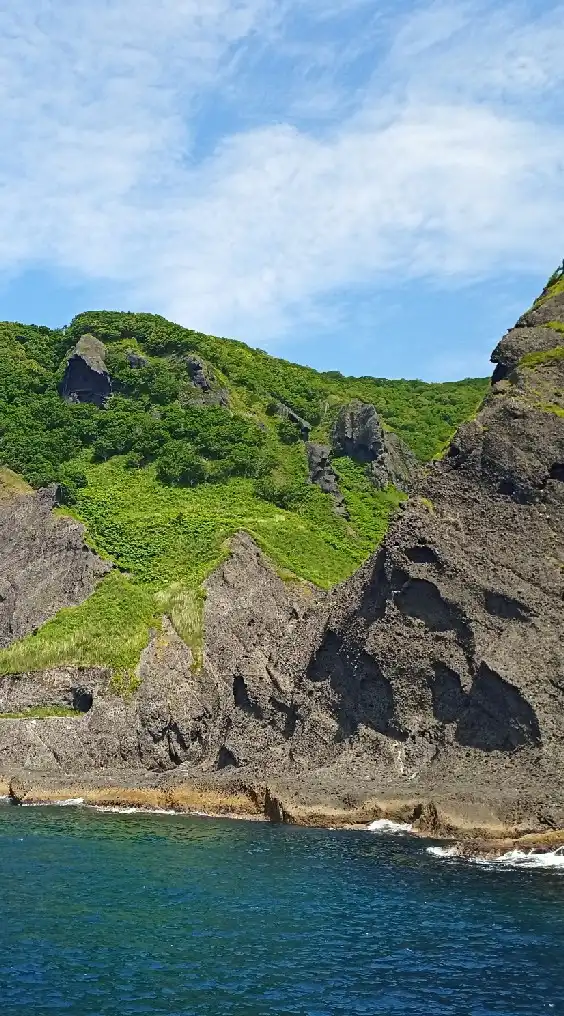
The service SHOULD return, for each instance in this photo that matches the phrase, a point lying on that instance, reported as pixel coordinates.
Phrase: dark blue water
(116, 914)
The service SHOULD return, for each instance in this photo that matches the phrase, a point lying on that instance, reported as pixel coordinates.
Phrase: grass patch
(553, 289)
(11, 484)
(166, 540)
(551, 407)
(110, 628)
(41, 713)
(540, 358)
(428, 504)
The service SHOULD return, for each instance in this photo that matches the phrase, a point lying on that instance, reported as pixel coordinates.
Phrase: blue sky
(374, 187)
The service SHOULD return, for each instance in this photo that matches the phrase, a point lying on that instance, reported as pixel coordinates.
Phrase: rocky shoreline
(471, 828)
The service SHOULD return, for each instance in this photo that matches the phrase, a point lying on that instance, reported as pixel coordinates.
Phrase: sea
(105, 913)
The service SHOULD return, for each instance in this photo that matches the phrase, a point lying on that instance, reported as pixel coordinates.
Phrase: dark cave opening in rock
(423, 600)
(557, 472)
(82, 700)
(501, 371)
(226, 759)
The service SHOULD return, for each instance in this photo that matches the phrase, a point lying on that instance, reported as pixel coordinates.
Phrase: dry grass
(12, 485)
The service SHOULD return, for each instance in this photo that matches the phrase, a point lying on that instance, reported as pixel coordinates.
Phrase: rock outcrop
(135, 360)
(358, 433)
(321, 472)
(455, 628)
(44, 563)
(286, 413)
(433, 678)
(204, 381)
(86, 378)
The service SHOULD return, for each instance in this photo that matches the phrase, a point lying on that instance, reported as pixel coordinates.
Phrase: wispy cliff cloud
(245, 165)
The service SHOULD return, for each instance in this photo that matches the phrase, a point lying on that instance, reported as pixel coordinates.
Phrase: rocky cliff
(431, 684)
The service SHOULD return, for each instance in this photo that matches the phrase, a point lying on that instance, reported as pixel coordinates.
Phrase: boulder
(86, 378)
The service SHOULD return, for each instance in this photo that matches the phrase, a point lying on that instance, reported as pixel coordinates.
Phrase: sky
(371, 186)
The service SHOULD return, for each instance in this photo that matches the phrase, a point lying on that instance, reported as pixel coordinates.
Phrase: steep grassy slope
(162, 480)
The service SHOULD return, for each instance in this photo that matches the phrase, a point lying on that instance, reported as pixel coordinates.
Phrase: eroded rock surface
(358, 433)
(44, 563)
(286, 413)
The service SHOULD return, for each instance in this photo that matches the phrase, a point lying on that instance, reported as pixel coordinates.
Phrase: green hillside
(162, 478)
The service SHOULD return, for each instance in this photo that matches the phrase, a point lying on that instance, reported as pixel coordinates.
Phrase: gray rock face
(450, 642)
(86, 378)
(69, 687)
(44, 563)
(551, 309)
(358, 433)
(516, 344)
(516, 444)
(322, 473)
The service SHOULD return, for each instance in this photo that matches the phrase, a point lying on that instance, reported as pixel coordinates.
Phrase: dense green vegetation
(152, 404)
(163, 480)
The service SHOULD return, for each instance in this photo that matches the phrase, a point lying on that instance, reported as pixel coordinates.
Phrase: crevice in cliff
(360, 693)
(242, 699)
(289, 715)
(448, 695)
(375, 596)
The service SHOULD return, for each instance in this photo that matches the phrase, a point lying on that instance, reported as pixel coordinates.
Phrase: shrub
(180, 465)
(71, 479)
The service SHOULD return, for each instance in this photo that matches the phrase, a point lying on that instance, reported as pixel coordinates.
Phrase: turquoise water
(105, 914)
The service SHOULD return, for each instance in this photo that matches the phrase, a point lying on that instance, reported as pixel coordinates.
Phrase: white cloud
(438, 167)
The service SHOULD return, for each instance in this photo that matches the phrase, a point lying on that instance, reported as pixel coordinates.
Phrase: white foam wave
(512, 859)
(385, 825)
(528, 859)
(79, 802)
(122, 810)
(442, 851)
